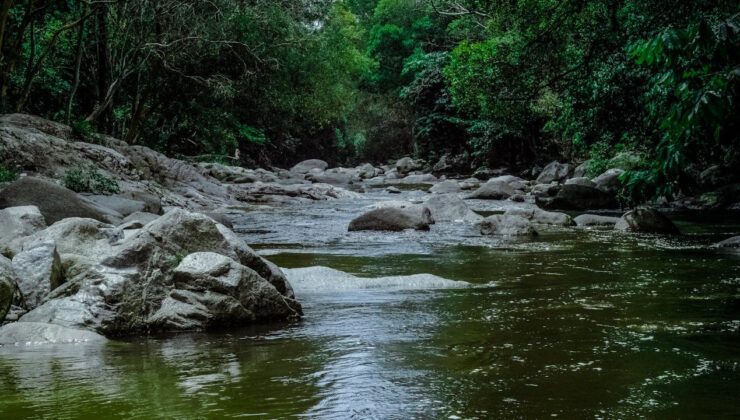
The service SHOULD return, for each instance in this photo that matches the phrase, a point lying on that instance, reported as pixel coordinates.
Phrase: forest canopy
(497, 83)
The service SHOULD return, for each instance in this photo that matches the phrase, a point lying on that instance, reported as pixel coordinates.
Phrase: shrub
(7, 175)
(88, 179)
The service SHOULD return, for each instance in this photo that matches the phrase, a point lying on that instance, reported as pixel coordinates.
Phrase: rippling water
(574, 324)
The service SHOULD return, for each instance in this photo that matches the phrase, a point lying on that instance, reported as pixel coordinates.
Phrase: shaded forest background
(487, 83)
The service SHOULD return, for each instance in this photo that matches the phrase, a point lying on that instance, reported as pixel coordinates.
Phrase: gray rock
(43, 333)
(625, 160)
(211, 290)
(541, 217)
(507, 225)
(406, 165)
(494, 190)
(393, 190)
(392, 219)
(89, 239)
(7, 286)
(581, 170)
(593, 220)
(307, 165)
(554, 171)
(39, 271)
(450, 208)
(583, 181)
(333, 177)
(17, 222)
(578, 197)
(546, 190)
(470, 184)
(418, 179)
(733, 242)
(53, 201)
(609, 180)
(646, 220)
(219, 217)
(123, 206)
(445, 187)
(142, 217)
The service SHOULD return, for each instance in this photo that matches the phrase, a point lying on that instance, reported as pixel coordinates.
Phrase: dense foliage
(497, 82)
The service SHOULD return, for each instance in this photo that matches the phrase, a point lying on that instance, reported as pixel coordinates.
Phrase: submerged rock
(324, 279)
(593, 220)
(646, 220)
(44, 333)
(53, 201)
(507, 225)
(392, 219)
(733, 242)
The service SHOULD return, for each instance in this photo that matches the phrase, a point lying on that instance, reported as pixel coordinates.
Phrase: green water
(573, 325)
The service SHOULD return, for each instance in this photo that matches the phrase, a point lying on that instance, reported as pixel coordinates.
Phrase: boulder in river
(594, 220)
(578, 197)
(554, 171)
(406, 165)
(507, 225)
(445, 187)
(7, 286)
(733, 242)
(581, 181)
(609, 180)
(646, 220)
(53, 201)
(450, 208)
(392, 219)
(499, 188)
(39, 271)
(541, 217)
(581, 170)
(307, 165)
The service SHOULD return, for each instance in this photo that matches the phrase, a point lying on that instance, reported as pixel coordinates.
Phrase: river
(571, 324)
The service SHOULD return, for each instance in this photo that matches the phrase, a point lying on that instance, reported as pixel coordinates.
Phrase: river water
(443, 324)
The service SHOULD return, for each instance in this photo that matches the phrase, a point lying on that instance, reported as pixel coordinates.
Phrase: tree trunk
(78, 65)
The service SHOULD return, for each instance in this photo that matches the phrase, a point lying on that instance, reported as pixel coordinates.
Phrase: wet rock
(646, 220)
(541, 217)
(7, 286)
(212, 290)
(609, 180)
(406, 165)
(336, 176)
(39, 271)
(17, 222)
(53, 201)
(585, 182)
(141, 217)
(733, 242)
(470, 184)
(307, 165)
(554, 171)
(367, 171)
(265, 192)
(484, 173)
(450, 208)
(452, 164)
(593, 220)
(89, 239)
(518, 198)
(418, 179)
(393, 190)
(152, 203)
(546, 190)
(499, 188)
(392, 219)
(578, 197)
(507, 225)
(43, 333)
(445, 187)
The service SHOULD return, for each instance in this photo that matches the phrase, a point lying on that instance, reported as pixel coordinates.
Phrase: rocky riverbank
(159, 253)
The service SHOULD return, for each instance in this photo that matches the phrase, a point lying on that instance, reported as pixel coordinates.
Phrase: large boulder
(499, 188)
(212, 290)
(17, 222)
(53, 201)
(609, 180)
(507, 225)
(594, 220)
(43, 333)
(418, 179)
(7, 286)
(583, 181)
(450, 208)
(554, 171)
(452, 164)
(541, 217)
(392, 219)
(445, 187)
(733, 242)
(578, 197)
(124, 206)
(307, 165)
(39, 271)
(581, 170)
(126, 288)
(406, 165)
(646, 220)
